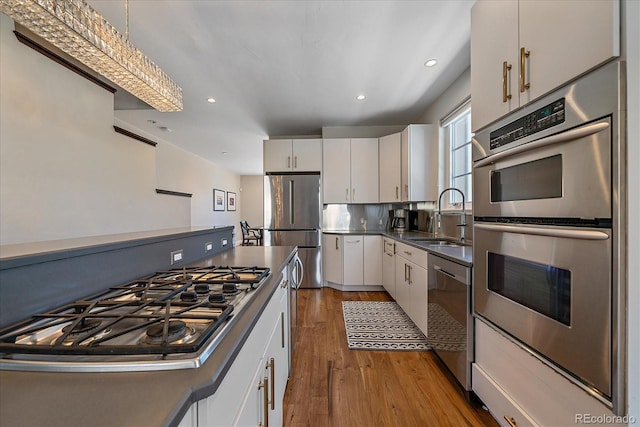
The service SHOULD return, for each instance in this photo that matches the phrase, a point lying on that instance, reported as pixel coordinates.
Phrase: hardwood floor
(333, 386)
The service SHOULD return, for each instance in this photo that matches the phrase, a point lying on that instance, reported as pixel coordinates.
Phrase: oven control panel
(548, 116)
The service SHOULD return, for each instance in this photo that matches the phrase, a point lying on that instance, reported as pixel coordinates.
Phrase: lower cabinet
(332, 254)
(352, 260)
(519, 389)
(372, 274)
(411, 290)
(252, 392)
(389, 266)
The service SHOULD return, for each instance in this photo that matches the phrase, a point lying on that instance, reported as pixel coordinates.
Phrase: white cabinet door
(336, 172)
(389, 266)
(536, 47)
(419, 296)
(253, 410)
(307, 155)
(332, 258)
(353, 261)
(277, 155)
(403, 291)
(389, 164)
(419, 180)
(566, 39)
(494, 48)
(276, 360)
(350, 170)
(372, 260)
(364, 170)
(292, 155)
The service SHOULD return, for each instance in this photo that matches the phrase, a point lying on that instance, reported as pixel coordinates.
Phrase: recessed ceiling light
(431, 63)
(211, 100)
(224, 153)
(360, 97)
(165, 129)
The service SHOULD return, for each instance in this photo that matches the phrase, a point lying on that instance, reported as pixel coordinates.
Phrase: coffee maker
(398, 219)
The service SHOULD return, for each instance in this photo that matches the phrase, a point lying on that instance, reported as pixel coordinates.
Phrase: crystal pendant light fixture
(78, 30)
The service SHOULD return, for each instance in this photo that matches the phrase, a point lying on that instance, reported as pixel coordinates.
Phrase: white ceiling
(281, 68)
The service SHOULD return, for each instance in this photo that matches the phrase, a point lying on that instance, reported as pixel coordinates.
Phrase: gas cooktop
(170, 320)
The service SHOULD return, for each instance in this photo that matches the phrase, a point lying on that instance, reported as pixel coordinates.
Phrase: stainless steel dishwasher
(450, 322)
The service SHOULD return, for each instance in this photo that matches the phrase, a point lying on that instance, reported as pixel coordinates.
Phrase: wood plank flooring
(333, 386)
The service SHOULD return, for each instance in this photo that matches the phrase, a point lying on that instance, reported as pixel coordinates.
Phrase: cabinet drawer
(415, 255)
(502, 407)
(545, 395)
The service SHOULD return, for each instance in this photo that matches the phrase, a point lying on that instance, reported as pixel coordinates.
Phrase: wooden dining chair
(250, 236)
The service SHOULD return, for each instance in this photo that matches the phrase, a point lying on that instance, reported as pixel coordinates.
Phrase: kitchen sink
(436, 241)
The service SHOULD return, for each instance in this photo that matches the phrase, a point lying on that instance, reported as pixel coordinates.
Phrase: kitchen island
(154, 398)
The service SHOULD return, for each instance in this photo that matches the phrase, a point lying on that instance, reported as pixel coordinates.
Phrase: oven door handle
(548, 232)
(543, 142)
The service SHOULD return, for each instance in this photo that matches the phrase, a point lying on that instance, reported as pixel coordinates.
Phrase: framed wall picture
(218, 200)
(231, 201)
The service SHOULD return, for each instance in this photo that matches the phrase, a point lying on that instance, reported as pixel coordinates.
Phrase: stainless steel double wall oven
(549, 230)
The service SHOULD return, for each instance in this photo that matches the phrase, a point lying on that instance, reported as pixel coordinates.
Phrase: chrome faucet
(463, 224)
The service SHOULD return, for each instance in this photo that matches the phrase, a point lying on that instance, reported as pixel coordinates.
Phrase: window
(457, 135)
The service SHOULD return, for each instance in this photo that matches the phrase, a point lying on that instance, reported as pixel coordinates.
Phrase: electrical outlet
(176, 256)
(224, 242)
(208, 246)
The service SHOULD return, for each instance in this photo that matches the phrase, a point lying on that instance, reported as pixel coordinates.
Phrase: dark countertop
(49, 249)
(460, 254)
(157, 398)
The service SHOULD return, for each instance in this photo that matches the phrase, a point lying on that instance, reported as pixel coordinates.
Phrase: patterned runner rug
(381, 325)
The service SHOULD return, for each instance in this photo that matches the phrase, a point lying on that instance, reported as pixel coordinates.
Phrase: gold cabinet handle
(410, 268)
(346, 194)
(405, 273)
(523, 55)
(406, 190)
(271, 366)
(337, 248)
(506, 67)
(288, 162)
(397, 192)
(264, 385)
(510, 421)
(353, 194)
(295, 162)
(407, 253)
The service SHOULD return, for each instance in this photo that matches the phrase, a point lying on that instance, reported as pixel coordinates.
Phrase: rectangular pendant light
(78, 30)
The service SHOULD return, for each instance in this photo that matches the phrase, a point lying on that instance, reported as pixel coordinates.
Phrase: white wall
(65, 173)
(252, 199)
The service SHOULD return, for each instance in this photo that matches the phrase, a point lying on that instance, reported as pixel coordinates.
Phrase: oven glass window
(543, 288)
(539, 179)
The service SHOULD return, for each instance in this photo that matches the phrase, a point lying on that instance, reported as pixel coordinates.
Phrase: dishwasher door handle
(445, 272)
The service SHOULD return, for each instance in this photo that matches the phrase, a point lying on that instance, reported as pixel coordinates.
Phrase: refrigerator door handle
(299, 271)
(291, 200)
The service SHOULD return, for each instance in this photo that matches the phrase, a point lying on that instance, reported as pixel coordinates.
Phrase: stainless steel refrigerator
(292, 217)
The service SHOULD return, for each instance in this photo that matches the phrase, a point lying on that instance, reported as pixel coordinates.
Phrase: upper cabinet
(419, 167)
(350, 173)
(390, 172)
(521, 50)
(293, 155)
